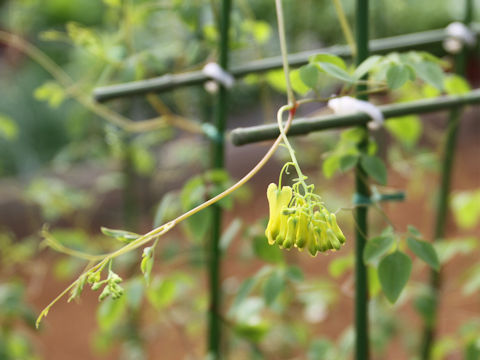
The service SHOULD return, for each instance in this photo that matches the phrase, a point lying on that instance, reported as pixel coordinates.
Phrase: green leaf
(456, 85)
(353, 135)
(143, 161)
(328, 58)
(120, 235)
(162, 293)
(321, 349)
(266, 252)
(397, 75)
(347, 162)
(294, 273)
(163, 208)
(340, 264)
(466, 208)
(242, 293)
(147, 263)
(113, 3)
(377, 247)
(425, 305)
(260, 30)
(406, 129)
(273, 287)
(414, 231)
(336, 72)
(424, 251)
(276, 79)
(375, 168)
(253, 332)
(110, 312)
(472, 350)
(8, 127)
(193, 194)
(393, 272)
(430, 72)
(134, 292)
(366, 66)
(448, 249)
(472, 281)
(309, 75)
(51, 92)
(229, 234)
(297, 84)
(330, 165)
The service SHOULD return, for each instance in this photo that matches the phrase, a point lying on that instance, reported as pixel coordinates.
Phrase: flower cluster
(301, 221)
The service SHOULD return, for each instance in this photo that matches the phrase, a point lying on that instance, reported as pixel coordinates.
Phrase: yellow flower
(336, 229)
(277, 201)
(302, 231)
(301, 221)
(291, 232)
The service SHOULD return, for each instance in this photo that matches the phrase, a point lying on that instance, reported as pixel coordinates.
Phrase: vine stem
(347, 31)
(290, 149)
(283, 49)
(163, 229)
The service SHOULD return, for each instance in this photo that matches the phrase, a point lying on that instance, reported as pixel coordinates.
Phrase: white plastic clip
(215, 71)
(458, 34)
(347, 105)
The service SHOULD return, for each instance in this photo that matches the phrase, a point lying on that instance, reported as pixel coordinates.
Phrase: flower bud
(322, 244)
(312, 243)
(336, 229)
(302, 231)
(282, 233)
(277, 200)
(94, 277)
(291, 232)
(334, 243)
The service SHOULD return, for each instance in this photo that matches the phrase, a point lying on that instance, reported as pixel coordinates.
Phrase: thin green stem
(283, 49)
(347, 31)
(289, 146)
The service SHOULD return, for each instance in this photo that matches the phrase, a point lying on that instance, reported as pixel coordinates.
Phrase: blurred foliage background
(66, 163)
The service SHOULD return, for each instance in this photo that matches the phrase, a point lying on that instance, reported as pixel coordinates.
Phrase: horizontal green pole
(242, 136)
(420, 40)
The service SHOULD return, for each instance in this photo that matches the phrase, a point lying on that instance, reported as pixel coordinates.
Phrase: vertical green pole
(362, 189)
(214, 320)
(444, 191)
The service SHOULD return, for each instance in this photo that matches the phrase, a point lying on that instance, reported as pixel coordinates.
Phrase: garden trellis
(423, 40)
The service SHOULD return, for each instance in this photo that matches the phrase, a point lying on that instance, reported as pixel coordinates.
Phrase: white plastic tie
(458, 34)
(347, 105)
(215, 72)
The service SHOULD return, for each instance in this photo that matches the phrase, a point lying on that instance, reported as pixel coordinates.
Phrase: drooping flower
(301, 221)
(277, 200)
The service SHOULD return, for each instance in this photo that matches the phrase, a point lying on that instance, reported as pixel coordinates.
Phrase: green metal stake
(425, 40)
(253, 134)
(444, 192)
(214, 319)
(361, 213)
